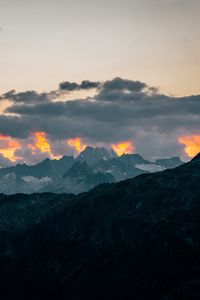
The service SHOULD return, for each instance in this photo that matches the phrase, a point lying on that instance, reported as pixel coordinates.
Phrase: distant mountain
(118, 167)
(131, 165)
(93, 155)
(47, 167)
(136, 239)
(133, 159)
(169, 163)
(29, 179)
(80, 178)
(48, 174)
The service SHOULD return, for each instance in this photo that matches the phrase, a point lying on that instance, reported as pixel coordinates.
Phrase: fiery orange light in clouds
(77, 144)
(41, 142)
(123, 147)
(8, 146)
(192, 144)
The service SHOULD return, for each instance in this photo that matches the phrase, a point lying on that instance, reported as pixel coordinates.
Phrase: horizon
(75, 156)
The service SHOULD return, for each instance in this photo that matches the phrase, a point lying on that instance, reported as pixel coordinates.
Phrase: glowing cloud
(77, 144)
(8, 146)
(124, 147)
(42, 144)
(192, 144)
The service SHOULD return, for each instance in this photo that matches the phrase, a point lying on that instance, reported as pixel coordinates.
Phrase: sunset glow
(124, 147)
(77, 144)
(8, 146)
(42, 144)
(192, 144)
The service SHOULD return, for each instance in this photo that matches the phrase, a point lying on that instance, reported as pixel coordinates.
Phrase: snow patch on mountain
(152, 168)
(37, 183)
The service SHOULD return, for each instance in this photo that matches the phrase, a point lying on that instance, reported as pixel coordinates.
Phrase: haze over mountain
(74, 175)
(136, 239)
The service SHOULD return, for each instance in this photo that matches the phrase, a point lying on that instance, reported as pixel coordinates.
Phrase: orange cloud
(77, 144)
(8, 146)
(41, 143)
(192, 144)
(124, 147)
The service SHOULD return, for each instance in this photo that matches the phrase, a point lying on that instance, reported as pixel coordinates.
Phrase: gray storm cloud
(27, 97)
(32, 97)
(121, 110)
(73, 86)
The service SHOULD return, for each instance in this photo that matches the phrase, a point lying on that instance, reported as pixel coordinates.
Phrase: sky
(44, 42)
(122, 74)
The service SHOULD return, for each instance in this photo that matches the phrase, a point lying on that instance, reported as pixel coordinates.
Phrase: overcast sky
(43, 42)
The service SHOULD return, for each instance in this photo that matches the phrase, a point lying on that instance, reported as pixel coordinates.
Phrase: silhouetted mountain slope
(137, 239)
(196, 158)
(80, 178)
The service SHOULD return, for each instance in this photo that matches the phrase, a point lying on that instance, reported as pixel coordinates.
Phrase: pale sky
(44, 42)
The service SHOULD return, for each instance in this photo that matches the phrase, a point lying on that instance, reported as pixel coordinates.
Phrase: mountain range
(135, 239)
(93, 166)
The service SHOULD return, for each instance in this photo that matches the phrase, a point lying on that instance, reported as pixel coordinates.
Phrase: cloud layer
(121, 110)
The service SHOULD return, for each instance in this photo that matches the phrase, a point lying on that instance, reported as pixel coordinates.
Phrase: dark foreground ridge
(137, 239)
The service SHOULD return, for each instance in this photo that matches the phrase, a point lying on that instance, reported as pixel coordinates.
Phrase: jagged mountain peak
(92, 155)
(93, 150)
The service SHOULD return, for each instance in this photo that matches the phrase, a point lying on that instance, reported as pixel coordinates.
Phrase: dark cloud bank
(121, 110)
